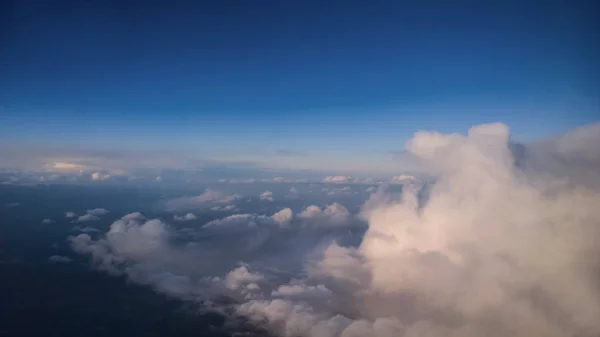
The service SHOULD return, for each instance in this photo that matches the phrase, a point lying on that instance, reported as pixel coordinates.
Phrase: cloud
(134, 216)
(337, 179)
(266, 195)
(59, 259)
(47, 221)
(283, 217)
(346, 190)
(98, 176)
(223, 208)
(87, 217)
(70, 215)
(207, 199)
(92, 215)
(497, 245)
(62, 166)
(334, 214)
(186, 217)
(403, 178)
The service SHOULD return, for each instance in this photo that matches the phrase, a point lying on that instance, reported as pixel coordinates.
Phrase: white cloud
(489, 249)
(241, 277)
(403, 178)
(47, 221)
(59, 259)
(186, 217)
(97, 211)
(87, 217)
(337, 179)
(63, 166)
(266, 195)
(70, 215)
(334, 214)
(283, 217)
(207, 199)
(98, 176)
(224, 208)
(346, 190)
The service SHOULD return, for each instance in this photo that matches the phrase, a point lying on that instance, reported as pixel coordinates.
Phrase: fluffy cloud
(70, 215)
(283, 217)
(498, 245)
(91, 215)
(334, 214)
(186, 217)
(47, 221)
(266, 195)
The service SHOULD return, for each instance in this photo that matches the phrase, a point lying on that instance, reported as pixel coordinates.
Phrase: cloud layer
(503, 243)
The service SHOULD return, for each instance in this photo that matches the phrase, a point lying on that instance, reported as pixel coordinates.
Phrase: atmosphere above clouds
(332, 87)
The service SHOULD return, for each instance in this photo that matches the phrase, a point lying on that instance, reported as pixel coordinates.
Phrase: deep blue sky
(327, 79)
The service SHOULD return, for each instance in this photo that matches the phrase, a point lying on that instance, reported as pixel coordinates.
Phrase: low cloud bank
(504, 243)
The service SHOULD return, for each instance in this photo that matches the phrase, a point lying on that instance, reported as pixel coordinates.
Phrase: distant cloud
(87, 217)
(12, 204)
(47, 221)
(337, 179)
(207, 199)
(98, 176)
(223, 208)
(403, 178)
(97, 211)
(59, 259)
(334, 214)
(62, 166)
(70, 215)
(339, 191)
(266, 195)
(186, 217)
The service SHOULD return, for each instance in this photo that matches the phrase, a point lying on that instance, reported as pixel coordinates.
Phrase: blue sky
(304, 84)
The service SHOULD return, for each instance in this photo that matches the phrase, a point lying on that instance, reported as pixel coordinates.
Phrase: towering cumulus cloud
(504, 243)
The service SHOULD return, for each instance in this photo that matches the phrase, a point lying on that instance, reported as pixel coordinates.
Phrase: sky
(327, 86)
